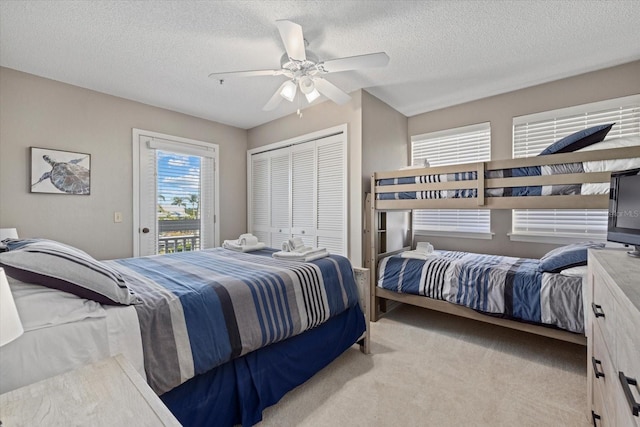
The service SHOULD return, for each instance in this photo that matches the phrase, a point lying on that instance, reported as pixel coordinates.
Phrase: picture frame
(60, 172)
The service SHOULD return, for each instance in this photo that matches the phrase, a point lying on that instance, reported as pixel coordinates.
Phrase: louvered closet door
(300, 191)
(303, 192)
(331, 194)
(280, 185)
(260, 197)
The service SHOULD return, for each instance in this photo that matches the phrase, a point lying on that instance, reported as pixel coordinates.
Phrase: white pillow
(614, 164)
(41, 307)
(579, 271)
(609, 165)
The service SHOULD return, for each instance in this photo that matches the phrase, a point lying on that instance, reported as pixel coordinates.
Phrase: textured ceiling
(442, 52)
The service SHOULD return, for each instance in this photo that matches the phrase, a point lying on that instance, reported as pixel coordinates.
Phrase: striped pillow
(56, 265)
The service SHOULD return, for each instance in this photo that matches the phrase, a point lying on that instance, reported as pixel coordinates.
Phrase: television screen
(628, 211)
(624, 209)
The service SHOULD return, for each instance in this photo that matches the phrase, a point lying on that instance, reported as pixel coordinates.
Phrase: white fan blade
(331, 91)
(371, 60)
(245, 74)
(291, 34)
(275, 100)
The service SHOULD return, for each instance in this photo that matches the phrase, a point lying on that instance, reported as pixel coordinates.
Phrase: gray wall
(44, 113)
(385, 146)
(39, 112)
(609, 83)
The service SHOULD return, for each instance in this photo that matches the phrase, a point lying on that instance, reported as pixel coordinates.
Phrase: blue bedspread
(507, 286)
(201, 309)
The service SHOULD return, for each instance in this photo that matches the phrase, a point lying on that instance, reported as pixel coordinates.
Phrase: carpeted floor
(434, 369)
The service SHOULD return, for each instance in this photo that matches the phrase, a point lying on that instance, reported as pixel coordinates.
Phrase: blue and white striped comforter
(201, 309)
(506, 286)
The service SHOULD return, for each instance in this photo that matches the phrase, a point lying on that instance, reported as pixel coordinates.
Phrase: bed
(507, 287)
(564, 180)
(218, 334)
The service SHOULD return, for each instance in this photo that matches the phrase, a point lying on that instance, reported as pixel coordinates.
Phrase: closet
(299, 189)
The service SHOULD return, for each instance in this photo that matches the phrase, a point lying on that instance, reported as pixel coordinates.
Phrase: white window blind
(467, 144)
(533, 133)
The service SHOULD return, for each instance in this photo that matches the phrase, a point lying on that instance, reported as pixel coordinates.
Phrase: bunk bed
(568, 180)
(218, 334)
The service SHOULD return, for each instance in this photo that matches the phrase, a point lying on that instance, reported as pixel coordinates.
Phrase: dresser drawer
(599, 414)
(605, 378)
(603, 311)
(628, 362)
(624, 417)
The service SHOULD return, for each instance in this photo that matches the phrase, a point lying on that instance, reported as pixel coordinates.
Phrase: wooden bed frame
(376, 251)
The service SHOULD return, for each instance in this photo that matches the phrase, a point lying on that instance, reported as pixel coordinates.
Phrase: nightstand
(106, 393)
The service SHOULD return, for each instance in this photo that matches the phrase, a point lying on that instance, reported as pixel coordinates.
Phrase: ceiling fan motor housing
(296, 69)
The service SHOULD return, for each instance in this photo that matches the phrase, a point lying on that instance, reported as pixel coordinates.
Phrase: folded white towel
(301, 256)
(248, 240)
(424, 247)
(416, 255)
(234, 246)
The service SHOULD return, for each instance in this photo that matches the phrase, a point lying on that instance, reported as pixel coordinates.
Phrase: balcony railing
(181, 235)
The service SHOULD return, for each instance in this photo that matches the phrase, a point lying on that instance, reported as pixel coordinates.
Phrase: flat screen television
(624, 209)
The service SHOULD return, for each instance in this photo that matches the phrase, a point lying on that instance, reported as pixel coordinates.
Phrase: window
(179, 191)
(175, 194)
(467, 144)
(533, 133)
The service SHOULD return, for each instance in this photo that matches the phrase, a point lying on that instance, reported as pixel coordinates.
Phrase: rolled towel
(296, 243)
(248, 240)
(293, 244)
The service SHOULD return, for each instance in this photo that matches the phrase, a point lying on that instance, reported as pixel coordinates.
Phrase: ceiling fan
(303, 69)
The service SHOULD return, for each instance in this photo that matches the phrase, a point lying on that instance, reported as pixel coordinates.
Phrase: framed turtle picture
(60, 172)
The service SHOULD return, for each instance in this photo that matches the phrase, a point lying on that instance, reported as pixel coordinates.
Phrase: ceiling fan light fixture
(306, 85)
(288, 90)
(312, 96)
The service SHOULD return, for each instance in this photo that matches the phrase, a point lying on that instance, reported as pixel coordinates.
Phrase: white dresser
(613, 334)
(106, 393)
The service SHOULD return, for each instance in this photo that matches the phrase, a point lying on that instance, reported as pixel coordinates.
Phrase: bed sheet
(63, 332)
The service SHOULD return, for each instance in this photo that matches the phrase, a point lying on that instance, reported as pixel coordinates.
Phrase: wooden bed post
(480, 179)
(362, 280)
(373, 252)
